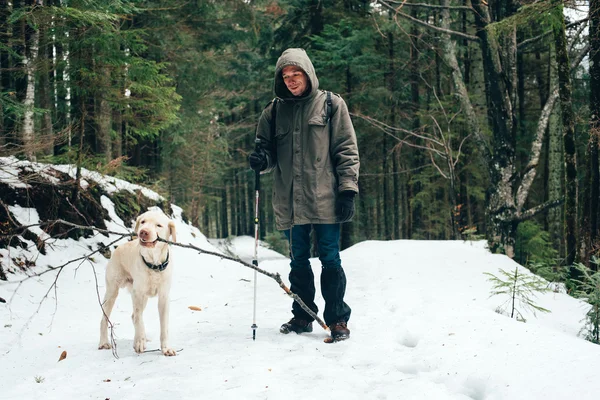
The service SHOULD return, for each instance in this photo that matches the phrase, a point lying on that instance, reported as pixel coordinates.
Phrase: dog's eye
(143, 221)
(159, 225)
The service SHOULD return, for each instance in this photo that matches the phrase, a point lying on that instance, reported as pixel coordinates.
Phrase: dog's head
(152, 225)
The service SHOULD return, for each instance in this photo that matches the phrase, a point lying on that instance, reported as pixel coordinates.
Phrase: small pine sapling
(588, 289)
(520, 289)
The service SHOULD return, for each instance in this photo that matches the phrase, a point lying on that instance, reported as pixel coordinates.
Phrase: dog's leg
(112, 291)
(163, 313)
(140, 299)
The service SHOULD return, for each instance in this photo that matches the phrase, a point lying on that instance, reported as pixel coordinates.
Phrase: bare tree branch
(579, 57)
(275, 276)
(532, 212)
(430, 6)
(529, 172)
(86, 257)
(417, 21)
(548, 33)
(536, 150)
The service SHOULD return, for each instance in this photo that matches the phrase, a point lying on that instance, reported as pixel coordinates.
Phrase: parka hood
(299, 58)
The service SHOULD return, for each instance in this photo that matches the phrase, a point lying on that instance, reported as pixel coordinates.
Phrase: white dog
(145, 266)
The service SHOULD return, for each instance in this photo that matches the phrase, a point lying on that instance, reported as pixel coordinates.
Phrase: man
(315, 181)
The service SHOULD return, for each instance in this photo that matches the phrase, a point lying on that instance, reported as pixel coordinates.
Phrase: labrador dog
(145, 266)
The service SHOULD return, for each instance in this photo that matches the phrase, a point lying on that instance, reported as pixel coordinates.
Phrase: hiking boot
(339, 331)
(296, 325)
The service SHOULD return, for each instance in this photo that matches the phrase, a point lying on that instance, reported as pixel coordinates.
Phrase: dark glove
(345, 206)
(258, 160)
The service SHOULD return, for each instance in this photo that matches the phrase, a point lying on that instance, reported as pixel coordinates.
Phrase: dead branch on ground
(87, 257)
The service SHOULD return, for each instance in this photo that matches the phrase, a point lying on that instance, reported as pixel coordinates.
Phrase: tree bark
(568, 121)
(555, 167)
(5, 35)
(388, 222)
(44, 91)
(103, 115)
(591, 186)
(224, 218)
(505, 199)
(29, 60)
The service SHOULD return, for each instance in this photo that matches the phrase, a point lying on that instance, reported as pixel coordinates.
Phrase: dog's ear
(172, 231)
(137, 223)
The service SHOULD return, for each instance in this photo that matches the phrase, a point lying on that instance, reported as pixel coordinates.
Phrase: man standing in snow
(310, 144)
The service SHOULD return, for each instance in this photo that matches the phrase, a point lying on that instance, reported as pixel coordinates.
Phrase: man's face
(295, 79)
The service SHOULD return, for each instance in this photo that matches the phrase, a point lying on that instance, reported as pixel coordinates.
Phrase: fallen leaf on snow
(63, 355)
(195, 308)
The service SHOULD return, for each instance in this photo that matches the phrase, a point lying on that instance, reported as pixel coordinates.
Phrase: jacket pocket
(317, 121)
(319, 143)
(282, 132)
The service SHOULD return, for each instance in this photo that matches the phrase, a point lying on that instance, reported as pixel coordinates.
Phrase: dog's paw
(167, 351)
(104, 345)
(139, 345)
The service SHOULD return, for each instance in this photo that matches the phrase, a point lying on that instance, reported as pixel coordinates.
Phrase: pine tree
(589, 290)
(520, 288)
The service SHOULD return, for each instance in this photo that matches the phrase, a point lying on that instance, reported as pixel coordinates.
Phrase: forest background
(474, 119)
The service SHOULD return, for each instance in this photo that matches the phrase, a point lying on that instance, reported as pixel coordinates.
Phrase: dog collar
(157, 267)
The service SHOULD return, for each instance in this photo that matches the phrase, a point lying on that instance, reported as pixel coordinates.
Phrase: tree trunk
(80, 155)
(103, 115)
(5, 36)
(224, 219)
(568, 122)
(396, 211)
(388, 202)
(44, 93)
(117, 143)
(589, 225)
(29, 60)
(62, 94)
(555, 165)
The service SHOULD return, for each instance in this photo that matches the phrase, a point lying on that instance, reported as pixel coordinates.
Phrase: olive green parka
(310, 167)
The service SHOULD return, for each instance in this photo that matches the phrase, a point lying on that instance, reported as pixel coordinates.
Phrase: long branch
(529, 172)
(274, 276)
(532, 212)
(548, 33)
(449, 55)
(387, 129)
(536, 150)
(430, 6)
(417, 21)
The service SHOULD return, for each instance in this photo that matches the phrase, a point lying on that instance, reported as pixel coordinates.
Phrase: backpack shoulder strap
(274, 118)
(329, 112)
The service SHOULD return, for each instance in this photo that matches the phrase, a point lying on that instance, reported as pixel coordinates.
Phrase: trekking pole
(255, 260)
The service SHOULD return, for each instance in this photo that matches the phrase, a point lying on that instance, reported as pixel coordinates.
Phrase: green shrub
(588, 289)
(277, 242)
(533, 245)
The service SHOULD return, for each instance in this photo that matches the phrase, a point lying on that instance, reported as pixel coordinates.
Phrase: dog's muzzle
(148, 243)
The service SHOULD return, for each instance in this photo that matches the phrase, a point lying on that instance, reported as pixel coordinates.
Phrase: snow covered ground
(423, 327)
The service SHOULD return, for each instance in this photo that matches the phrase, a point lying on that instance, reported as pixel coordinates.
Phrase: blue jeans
(333, 278)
